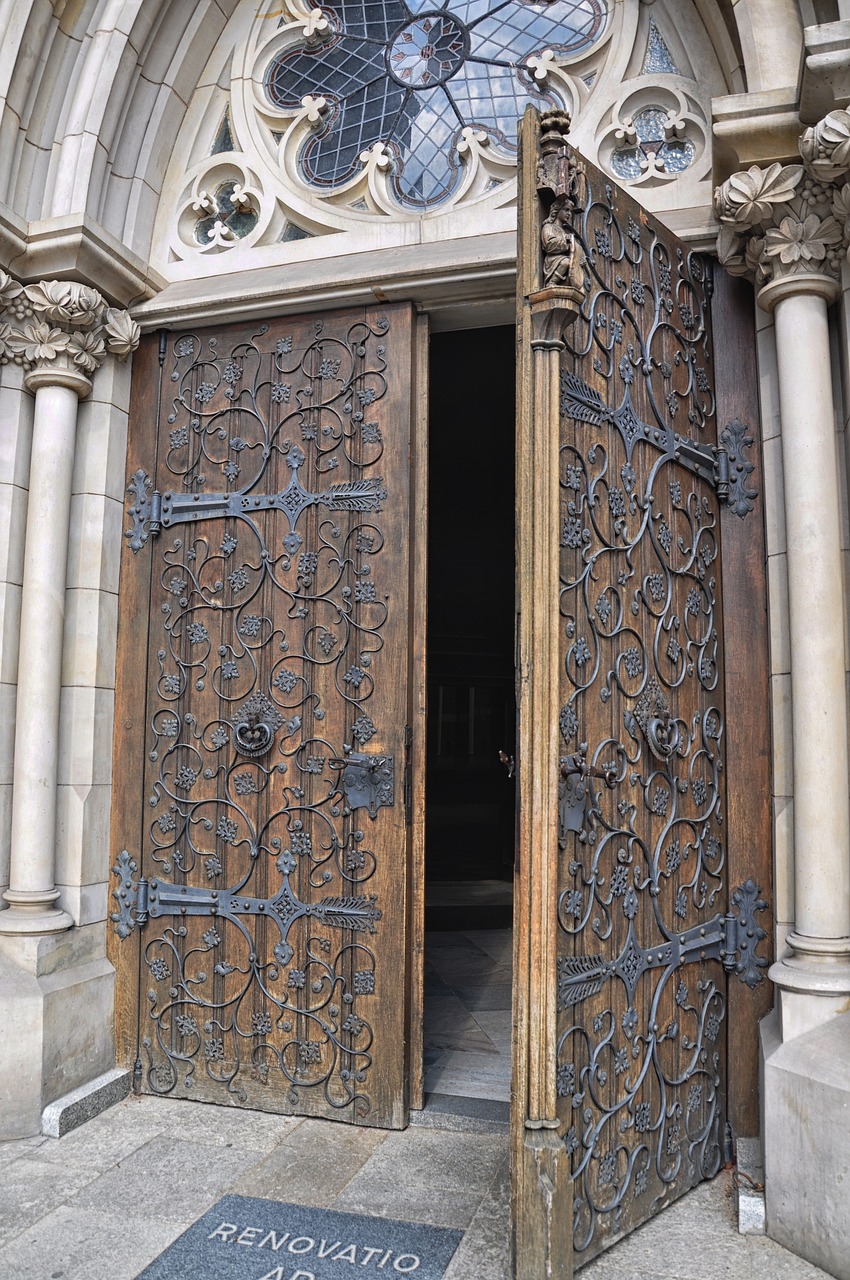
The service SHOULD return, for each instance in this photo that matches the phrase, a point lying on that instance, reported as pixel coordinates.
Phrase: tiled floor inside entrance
(468, 1014)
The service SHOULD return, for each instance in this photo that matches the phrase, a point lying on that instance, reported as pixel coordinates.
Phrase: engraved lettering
(411, 1260)
(248, 1232)
(324, 1248)
(276, 1244)
(348, 1254)
(304, 1243)
(224, 1232)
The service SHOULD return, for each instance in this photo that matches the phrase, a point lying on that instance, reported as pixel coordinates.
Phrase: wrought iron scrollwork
(268, 622)
(644, 937)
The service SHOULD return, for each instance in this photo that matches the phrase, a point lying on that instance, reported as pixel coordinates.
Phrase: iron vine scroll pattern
(268, 622)
(641, 1002)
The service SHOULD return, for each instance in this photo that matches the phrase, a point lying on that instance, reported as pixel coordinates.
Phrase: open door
(626, 926)
(261, 879)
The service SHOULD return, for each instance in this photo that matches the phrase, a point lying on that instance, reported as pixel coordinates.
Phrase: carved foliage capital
(792, 219)
(61, 325)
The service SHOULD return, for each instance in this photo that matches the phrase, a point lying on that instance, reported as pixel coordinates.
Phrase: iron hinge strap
(408, 775)
(732, 939)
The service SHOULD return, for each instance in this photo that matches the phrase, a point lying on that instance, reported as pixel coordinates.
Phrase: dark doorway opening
(470, 798)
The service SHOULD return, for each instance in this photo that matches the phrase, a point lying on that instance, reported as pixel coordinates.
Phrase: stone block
(8, 704)
(13, 525)
(783, 843)
(806, 1114)
(85, 736)
(10, 629)
(100, 453)
(86, 1102)
(151, 1175)
(750, 1186)
(778, 615)
(783, 742)
(16, 407)
(86, 903)
(774, 497)
(307, 1168)
(95, 542)
(82, 835)
(90, 640)
(61, 1241)
(56, 1008)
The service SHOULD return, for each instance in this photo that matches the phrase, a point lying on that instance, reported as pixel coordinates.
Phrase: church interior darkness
(470, 797)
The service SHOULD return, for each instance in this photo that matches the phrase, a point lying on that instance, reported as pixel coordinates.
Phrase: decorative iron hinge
(131, 896)
(723, 465)
(142, 900)
(732, 939)
(152, 511)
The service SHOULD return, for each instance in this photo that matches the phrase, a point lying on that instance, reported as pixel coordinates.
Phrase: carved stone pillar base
(56, 1010)
(33, 912)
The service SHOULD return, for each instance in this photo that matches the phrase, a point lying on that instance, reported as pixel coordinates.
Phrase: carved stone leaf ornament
(63, 324)
(793, 218)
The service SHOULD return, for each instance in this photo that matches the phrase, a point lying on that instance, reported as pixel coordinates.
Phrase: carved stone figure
(561, 255)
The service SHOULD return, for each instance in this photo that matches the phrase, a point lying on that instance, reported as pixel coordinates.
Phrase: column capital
(60, 332)
(787, 227)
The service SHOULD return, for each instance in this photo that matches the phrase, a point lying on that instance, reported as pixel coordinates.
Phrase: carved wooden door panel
(627, 926)
(261, 875)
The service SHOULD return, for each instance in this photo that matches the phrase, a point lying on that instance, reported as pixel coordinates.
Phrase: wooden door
(260, 826)
(627, 925)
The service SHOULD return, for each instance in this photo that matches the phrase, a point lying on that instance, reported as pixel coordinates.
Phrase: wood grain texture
(128, 750)
(541, 1192)
(641, 1054)
(418, 706)
(748, 742)
(281, 985)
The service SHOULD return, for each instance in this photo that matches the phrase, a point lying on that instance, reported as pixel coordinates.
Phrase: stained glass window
(411, 75)
(672, 155)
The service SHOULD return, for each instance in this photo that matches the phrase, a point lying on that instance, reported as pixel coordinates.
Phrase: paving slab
(167, 1178)
(87, 1244)
(313, 1164)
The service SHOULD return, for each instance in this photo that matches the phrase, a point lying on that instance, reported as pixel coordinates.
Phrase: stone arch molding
(235, 184)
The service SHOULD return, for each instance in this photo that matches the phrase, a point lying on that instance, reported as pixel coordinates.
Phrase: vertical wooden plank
(127, 820)
(748, 743)
(416, 762)
(541, 1189)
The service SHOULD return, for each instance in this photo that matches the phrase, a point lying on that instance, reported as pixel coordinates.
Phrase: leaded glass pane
(412, 75)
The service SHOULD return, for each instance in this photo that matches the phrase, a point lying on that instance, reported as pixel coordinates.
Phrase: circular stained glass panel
(412, 76)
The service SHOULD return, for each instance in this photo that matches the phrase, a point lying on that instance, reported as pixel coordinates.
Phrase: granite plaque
(242, 1238)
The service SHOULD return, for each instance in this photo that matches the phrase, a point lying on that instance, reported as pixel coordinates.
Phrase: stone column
(31, 894)
(788, 226)
(60, 333)
(817, 964)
